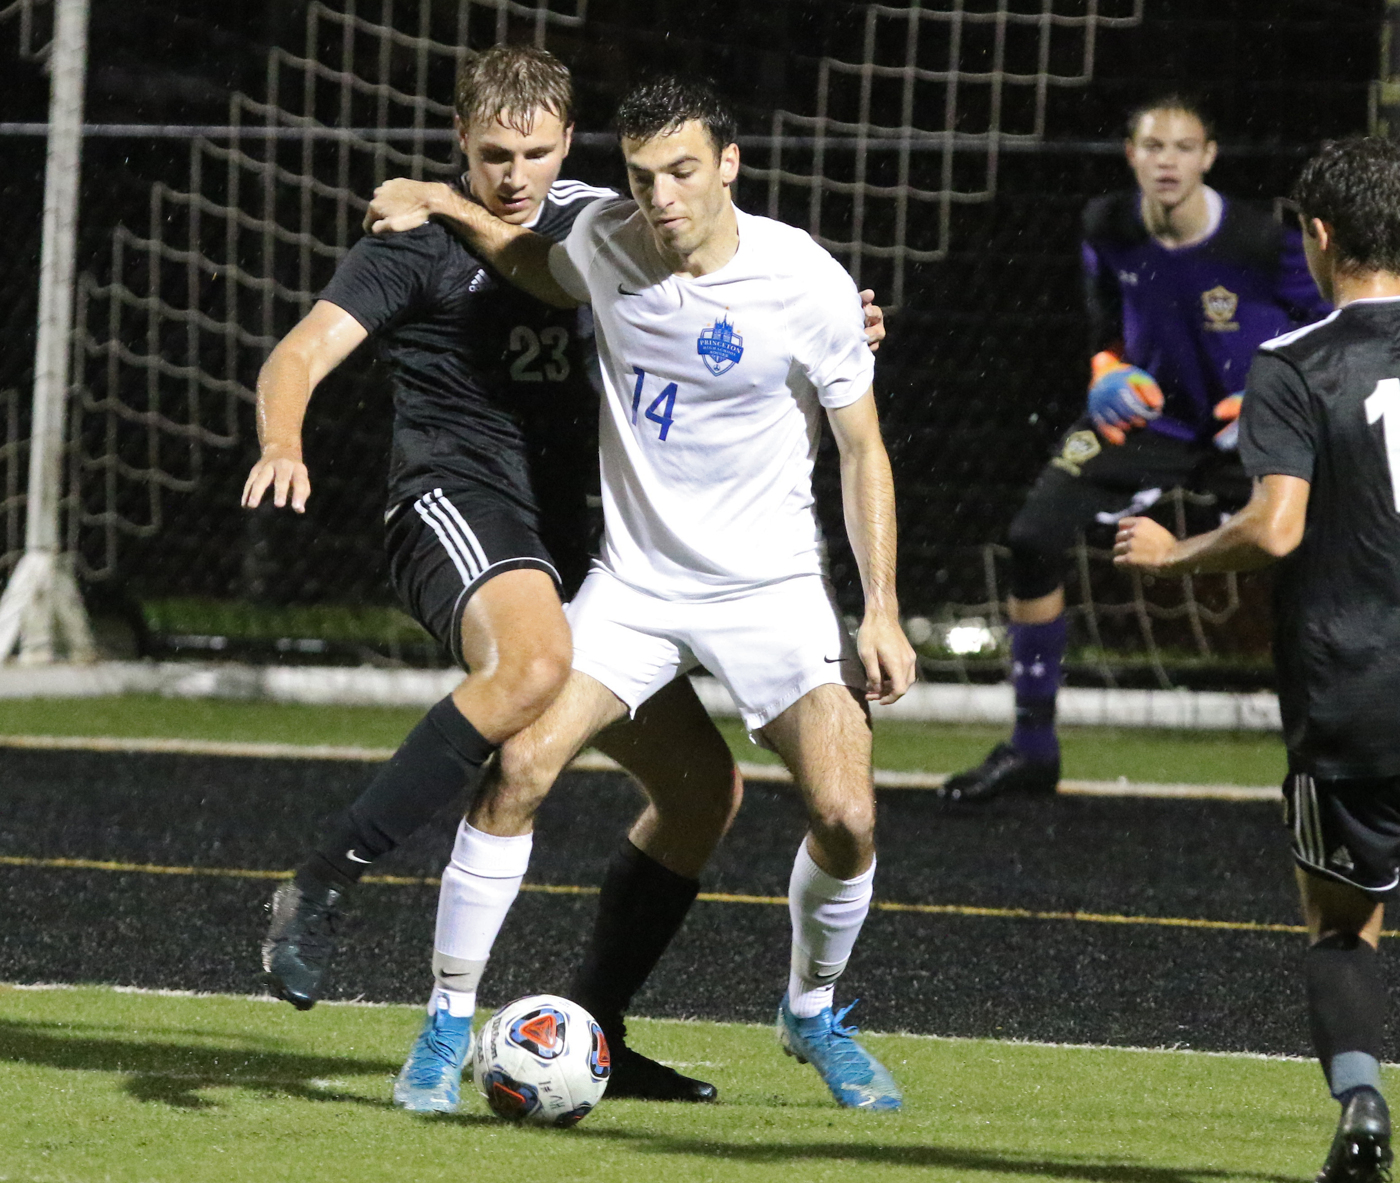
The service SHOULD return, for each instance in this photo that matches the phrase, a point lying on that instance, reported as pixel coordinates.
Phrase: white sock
(827, 915)
(459, 1003)
(478, 887)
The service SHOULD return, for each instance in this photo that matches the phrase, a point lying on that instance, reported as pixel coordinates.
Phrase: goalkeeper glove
(1227, 410)
(1121, 397)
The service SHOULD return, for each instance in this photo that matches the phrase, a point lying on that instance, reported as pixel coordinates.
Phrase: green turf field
(1090, 753)
(101, 1085)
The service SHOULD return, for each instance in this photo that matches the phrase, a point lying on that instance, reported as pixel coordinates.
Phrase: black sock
(430, 768)
(1346, 998)
(640, 908)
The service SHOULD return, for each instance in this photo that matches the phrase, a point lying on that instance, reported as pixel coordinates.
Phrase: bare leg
(515, 642)
(1331, 908)
(693, 788)
(489, 859)
(824, 738)
(673, 748)
(1041, 610)
(530, 761)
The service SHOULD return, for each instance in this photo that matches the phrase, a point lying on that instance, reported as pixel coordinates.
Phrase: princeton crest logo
(720, 346)
(1219, 304)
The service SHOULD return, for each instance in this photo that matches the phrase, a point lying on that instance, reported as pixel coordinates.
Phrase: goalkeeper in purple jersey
(1182, 285)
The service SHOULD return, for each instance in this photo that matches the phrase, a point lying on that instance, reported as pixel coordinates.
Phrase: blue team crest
(720, 346)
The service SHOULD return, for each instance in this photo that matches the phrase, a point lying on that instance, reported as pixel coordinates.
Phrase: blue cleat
(856, 1078)
(431, 1078)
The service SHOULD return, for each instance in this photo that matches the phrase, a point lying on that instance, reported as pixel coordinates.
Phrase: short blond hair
(511, 83)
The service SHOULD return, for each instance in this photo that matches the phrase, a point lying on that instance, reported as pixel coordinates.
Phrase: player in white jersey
(723, 338)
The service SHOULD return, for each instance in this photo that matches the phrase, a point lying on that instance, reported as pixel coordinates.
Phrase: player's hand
(1121, 397)
(1227, 410)
(400, 204)
(282, 471)
(1143, 543)
(887, 656)
(874, 320)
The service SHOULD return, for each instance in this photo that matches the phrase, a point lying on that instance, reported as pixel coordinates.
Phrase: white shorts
(768, 647)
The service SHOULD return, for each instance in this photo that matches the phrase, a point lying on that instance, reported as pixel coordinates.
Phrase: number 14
(666, 401)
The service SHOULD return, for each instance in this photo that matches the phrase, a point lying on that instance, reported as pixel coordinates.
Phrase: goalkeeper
(1183, 286)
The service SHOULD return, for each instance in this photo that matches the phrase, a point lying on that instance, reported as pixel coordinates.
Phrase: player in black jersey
(493, 458)
(1320, 437)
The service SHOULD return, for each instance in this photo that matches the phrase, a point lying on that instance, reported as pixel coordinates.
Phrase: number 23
(527, 343)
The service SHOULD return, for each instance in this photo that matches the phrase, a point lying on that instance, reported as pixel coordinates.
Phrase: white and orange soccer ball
(541, 1059)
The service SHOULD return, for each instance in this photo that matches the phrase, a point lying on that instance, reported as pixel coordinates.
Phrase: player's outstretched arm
(1265, 530)
(867, 496)
(521, 255)
(324, 338)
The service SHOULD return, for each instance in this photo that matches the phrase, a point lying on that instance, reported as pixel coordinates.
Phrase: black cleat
(301, 940)
(635, 1077)
(1361, 1150)
(1005, 770)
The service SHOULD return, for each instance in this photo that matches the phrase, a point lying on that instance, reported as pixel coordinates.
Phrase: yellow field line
(709, 897)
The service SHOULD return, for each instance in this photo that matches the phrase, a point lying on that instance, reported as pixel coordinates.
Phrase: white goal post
(41, 604)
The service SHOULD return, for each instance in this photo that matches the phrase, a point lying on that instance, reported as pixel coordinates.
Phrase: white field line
(928, 701)
(597, 762)
(691, 1022)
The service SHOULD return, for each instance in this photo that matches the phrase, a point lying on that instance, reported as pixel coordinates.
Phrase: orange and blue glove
(1227, 410)
(1121, 397)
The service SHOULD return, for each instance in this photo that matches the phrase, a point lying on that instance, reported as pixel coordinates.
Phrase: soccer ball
(542, 1060)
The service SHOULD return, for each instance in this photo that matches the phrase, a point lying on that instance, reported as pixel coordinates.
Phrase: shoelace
(843, 1047)
(425, 1071)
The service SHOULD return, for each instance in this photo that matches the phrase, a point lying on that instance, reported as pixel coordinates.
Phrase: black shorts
(445, 545)
(1346, 830)
(1089, 480)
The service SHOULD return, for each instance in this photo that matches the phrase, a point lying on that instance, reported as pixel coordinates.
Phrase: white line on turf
(690, 1022)
(597, 762)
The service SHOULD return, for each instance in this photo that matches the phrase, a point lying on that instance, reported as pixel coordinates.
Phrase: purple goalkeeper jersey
(1193, 316)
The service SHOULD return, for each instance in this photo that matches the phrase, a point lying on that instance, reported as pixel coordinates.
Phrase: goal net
(941, 150)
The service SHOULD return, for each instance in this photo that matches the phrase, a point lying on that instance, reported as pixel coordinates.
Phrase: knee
(524, 770)
(527, 682)
(705, 803)
(1037, 557)
(848, 822)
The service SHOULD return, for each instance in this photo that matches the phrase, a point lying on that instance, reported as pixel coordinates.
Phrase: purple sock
(1036, 651)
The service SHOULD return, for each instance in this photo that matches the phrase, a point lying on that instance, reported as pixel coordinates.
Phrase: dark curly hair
(663, 104)
(1354, 186)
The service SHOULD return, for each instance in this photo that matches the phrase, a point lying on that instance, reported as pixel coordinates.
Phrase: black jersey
(487, 380)
(1323, 404)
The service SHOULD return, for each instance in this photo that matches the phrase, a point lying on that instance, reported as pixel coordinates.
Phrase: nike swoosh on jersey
(622, 291)
(355, 858)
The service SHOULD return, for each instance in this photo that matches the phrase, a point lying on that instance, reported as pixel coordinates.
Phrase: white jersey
(713, 395)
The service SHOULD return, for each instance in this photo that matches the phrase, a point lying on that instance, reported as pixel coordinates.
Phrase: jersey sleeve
(1103, 300)
(1295, 291)
(571, 262)
(566, 274)
(1278, 435)
(384, 275)
(830, 330)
